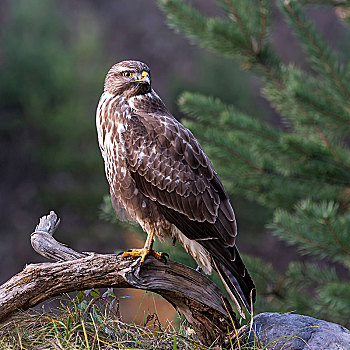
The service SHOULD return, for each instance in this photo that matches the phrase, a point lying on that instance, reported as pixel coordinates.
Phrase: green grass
(93, 321)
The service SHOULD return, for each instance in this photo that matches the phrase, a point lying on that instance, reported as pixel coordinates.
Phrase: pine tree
(301, 170)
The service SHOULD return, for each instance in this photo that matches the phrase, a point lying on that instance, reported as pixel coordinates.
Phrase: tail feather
(221, 252)
(237, 281)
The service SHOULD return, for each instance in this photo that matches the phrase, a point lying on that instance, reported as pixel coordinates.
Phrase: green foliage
(316, 228)
(272, 159)
(228, 36)
(322, 58)
(49, 86)
(301, 171)
(269, 284)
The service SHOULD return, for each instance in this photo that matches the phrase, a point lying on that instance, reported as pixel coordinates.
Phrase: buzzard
(160, 177)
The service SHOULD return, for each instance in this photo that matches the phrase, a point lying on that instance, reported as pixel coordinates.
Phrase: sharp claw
(199, 269)
(164, 257)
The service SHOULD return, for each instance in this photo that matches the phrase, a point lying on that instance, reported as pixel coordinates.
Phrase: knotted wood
(189, 291)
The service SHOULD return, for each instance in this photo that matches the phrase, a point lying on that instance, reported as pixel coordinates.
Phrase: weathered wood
(192, 293)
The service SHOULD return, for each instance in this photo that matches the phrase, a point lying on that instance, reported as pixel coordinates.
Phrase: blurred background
(53, 59)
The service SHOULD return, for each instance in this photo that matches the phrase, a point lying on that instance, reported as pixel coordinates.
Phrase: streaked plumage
(160, 177)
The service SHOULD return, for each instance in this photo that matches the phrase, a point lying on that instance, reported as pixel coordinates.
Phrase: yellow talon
(143, 253)
(133, 253)
(158, 255)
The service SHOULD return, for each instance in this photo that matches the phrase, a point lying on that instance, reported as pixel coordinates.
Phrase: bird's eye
(127, 74)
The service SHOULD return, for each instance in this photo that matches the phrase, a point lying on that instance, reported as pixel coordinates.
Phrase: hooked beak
(145, 79)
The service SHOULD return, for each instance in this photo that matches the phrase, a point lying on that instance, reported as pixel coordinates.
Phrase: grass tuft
(93, 321)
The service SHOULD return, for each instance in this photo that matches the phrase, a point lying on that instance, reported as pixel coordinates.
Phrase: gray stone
(297, 332)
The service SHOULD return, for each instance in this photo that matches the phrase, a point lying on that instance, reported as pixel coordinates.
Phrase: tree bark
(189, 291)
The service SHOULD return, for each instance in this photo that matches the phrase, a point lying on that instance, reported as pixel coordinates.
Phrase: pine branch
(269, 143)
(317, 98)
(230, 38)
(271, 159)
(321, 57)
(317, 228)
(182, 15)
(308, 156)
(257, 177)
(333, 301)
(227, 39)
(251, 17)
(269, 282)
(263, 22)
(330, 295)
(213, 111)
(310, 274)
(230, 6)
(308, 103)
(204, 31)
(320, 104)
(226, 119)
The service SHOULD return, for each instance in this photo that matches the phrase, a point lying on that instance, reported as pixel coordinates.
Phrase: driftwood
(189, 291)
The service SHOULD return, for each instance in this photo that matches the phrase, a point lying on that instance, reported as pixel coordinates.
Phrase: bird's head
(128, 78)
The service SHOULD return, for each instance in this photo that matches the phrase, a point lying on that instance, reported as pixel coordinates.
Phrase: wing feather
(178, 176)
(175, 172)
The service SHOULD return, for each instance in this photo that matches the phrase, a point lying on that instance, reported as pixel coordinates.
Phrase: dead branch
(189, 291)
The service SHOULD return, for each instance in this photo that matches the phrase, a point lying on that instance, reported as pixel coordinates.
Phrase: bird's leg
(146, 250)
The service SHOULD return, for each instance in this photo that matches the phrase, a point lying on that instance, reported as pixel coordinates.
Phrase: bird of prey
(160, 177)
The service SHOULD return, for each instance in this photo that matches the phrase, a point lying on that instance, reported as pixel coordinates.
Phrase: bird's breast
(111, 116)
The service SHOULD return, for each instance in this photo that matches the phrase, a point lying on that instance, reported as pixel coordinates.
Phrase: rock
(297, 332)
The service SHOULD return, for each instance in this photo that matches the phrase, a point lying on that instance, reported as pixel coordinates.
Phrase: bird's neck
(148, 103)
